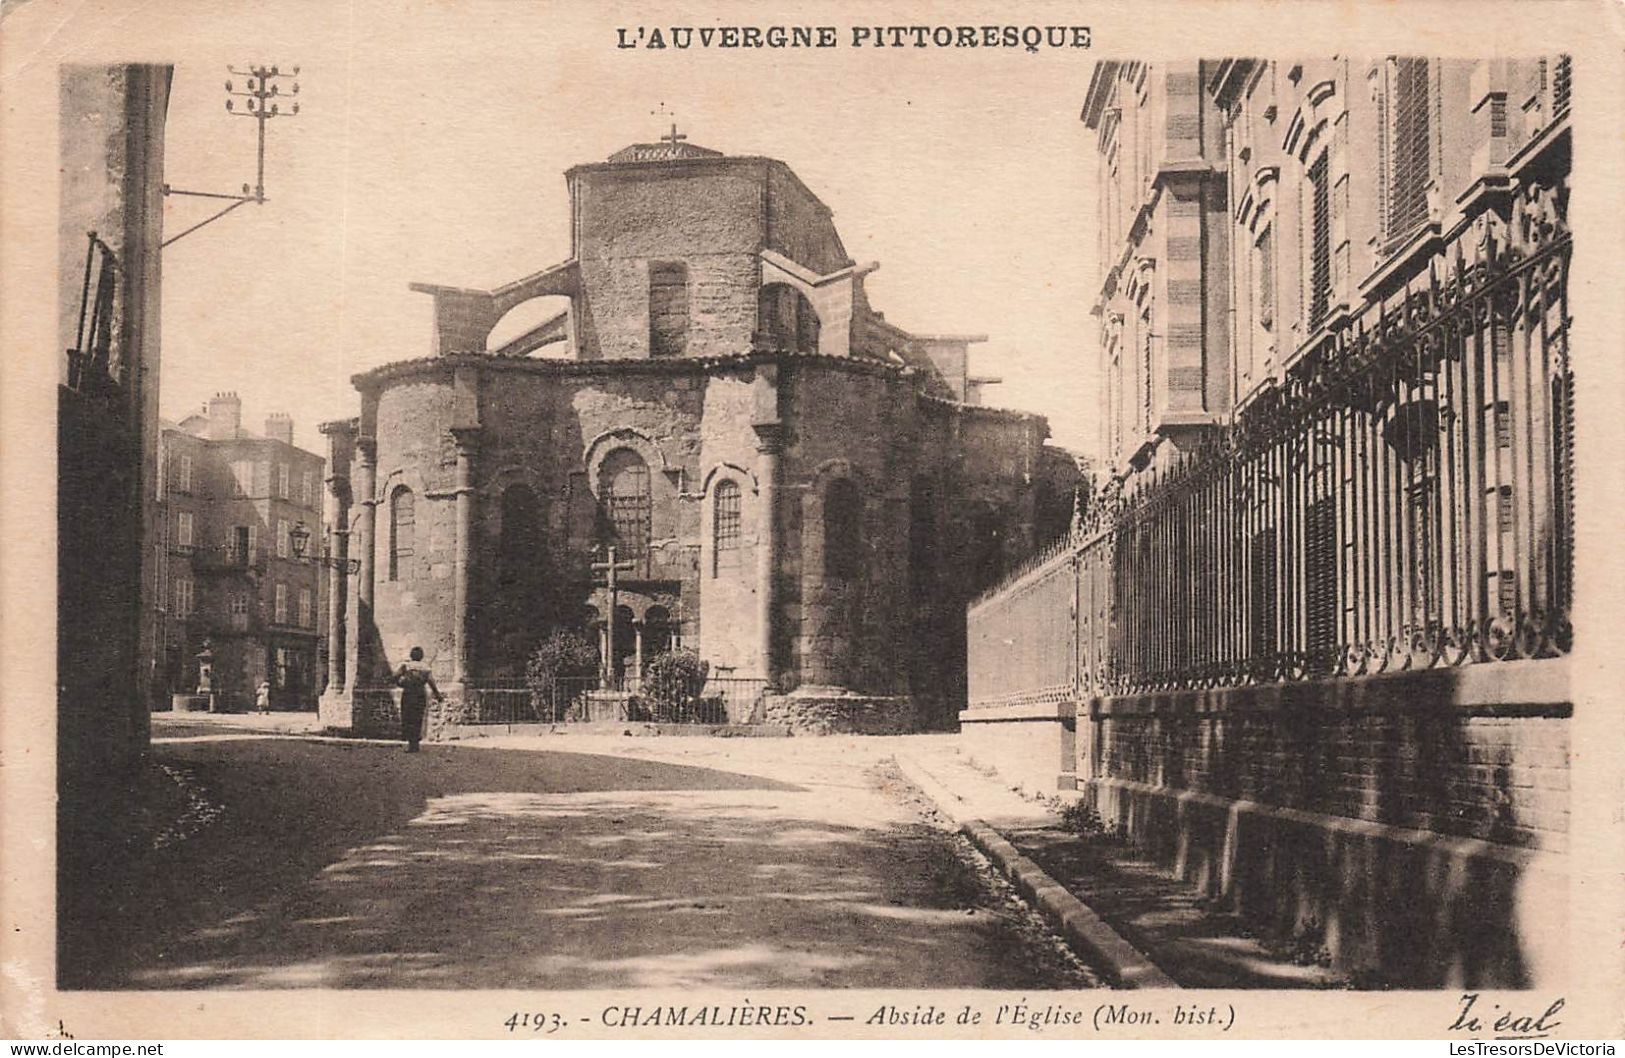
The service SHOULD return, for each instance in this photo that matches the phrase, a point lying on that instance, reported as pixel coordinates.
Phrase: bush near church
(564, 655)
(672, 684)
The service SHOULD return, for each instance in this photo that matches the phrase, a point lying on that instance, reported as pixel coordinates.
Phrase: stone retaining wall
(818, 712)
(1374, 817)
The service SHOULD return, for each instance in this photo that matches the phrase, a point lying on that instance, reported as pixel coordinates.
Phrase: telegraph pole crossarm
(264, 95)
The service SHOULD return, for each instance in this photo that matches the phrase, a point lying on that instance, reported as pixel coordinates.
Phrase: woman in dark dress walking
(413, 677)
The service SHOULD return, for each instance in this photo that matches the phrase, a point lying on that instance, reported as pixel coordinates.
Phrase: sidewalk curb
(1124, 964)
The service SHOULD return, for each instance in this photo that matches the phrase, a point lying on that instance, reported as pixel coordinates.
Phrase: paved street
(570, 862)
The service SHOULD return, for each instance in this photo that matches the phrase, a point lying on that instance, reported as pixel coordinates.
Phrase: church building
(800, 491)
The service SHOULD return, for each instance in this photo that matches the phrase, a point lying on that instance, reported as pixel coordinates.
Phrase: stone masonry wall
(972, 468)
(799, 226)
(546, 426)
(1498, 778)
(1410, 823)
(415, 451)
(837, 714)
(728, 636)
(708, 216)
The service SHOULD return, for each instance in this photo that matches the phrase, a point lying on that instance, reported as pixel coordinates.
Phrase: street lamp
(299, 536)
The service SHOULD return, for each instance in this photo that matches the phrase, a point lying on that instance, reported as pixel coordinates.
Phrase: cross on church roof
(674, 136)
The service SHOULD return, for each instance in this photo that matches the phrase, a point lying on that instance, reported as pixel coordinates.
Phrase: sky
(431, 147)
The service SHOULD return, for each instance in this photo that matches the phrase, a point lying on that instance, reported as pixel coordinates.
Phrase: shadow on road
(277, 810)
(355, 865)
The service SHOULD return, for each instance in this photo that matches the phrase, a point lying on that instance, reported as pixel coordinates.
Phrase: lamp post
(299, 536)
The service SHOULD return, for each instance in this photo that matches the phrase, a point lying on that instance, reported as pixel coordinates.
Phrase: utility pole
(262, 89)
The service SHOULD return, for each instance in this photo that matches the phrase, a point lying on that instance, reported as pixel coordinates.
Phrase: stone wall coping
(1511, 688)
(1021, 712)
(677, 365)
(984, 410)
(718, 160)
(837, 694)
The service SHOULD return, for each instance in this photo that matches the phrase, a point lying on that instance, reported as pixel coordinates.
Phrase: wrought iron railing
(1402, 500)
(94, 364)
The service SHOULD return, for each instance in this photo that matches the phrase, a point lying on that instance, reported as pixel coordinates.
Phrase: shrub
(1084, 820)
(564, 655)
(672, 682)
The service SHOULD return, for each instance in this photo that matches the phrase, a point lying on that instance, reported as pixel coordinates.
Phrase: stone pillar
(769, 445)
(467, 438)
(637, 652)
(360, 615)
(336, 516)
(336, 583)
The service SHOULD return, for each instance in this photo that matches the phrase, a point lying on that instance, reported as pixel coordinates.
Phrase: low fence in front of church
(720, 700)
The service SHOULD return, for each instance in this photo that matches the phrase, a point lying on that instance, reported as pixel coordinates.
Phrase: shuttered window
(1320, 575)
(1320, 242)
(1264, 606)
(1409, 155)
(1562, 85)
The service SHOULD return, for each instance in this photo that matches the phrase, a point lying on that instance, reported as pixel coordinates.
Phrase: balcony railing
(1402, 500)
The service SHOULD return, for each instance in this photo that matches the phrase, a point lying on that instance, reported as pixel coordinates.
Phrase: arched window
(724, 525)
(623, 489)
(843, 525)
(520, 543)
(401, 519)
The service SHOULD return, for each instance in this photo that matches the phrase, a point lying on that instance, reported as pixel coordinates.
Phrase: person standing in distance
(412, 678)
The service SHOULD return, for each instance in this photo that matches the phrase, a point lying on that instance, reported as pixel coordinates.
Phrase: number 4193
(535, 1021)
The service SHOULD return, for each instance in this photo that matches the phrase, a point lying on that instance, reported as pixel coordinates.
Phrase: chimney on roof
(279, 427)
(225, 417)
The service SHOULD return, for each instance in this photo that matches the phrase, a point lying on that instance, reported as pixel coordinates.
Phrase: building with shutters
(1310, 648)
(229, 504)
(794, 487)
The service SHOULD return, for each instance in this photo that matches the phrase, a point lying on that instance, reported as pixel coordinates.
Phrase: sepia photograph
(911, 523)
